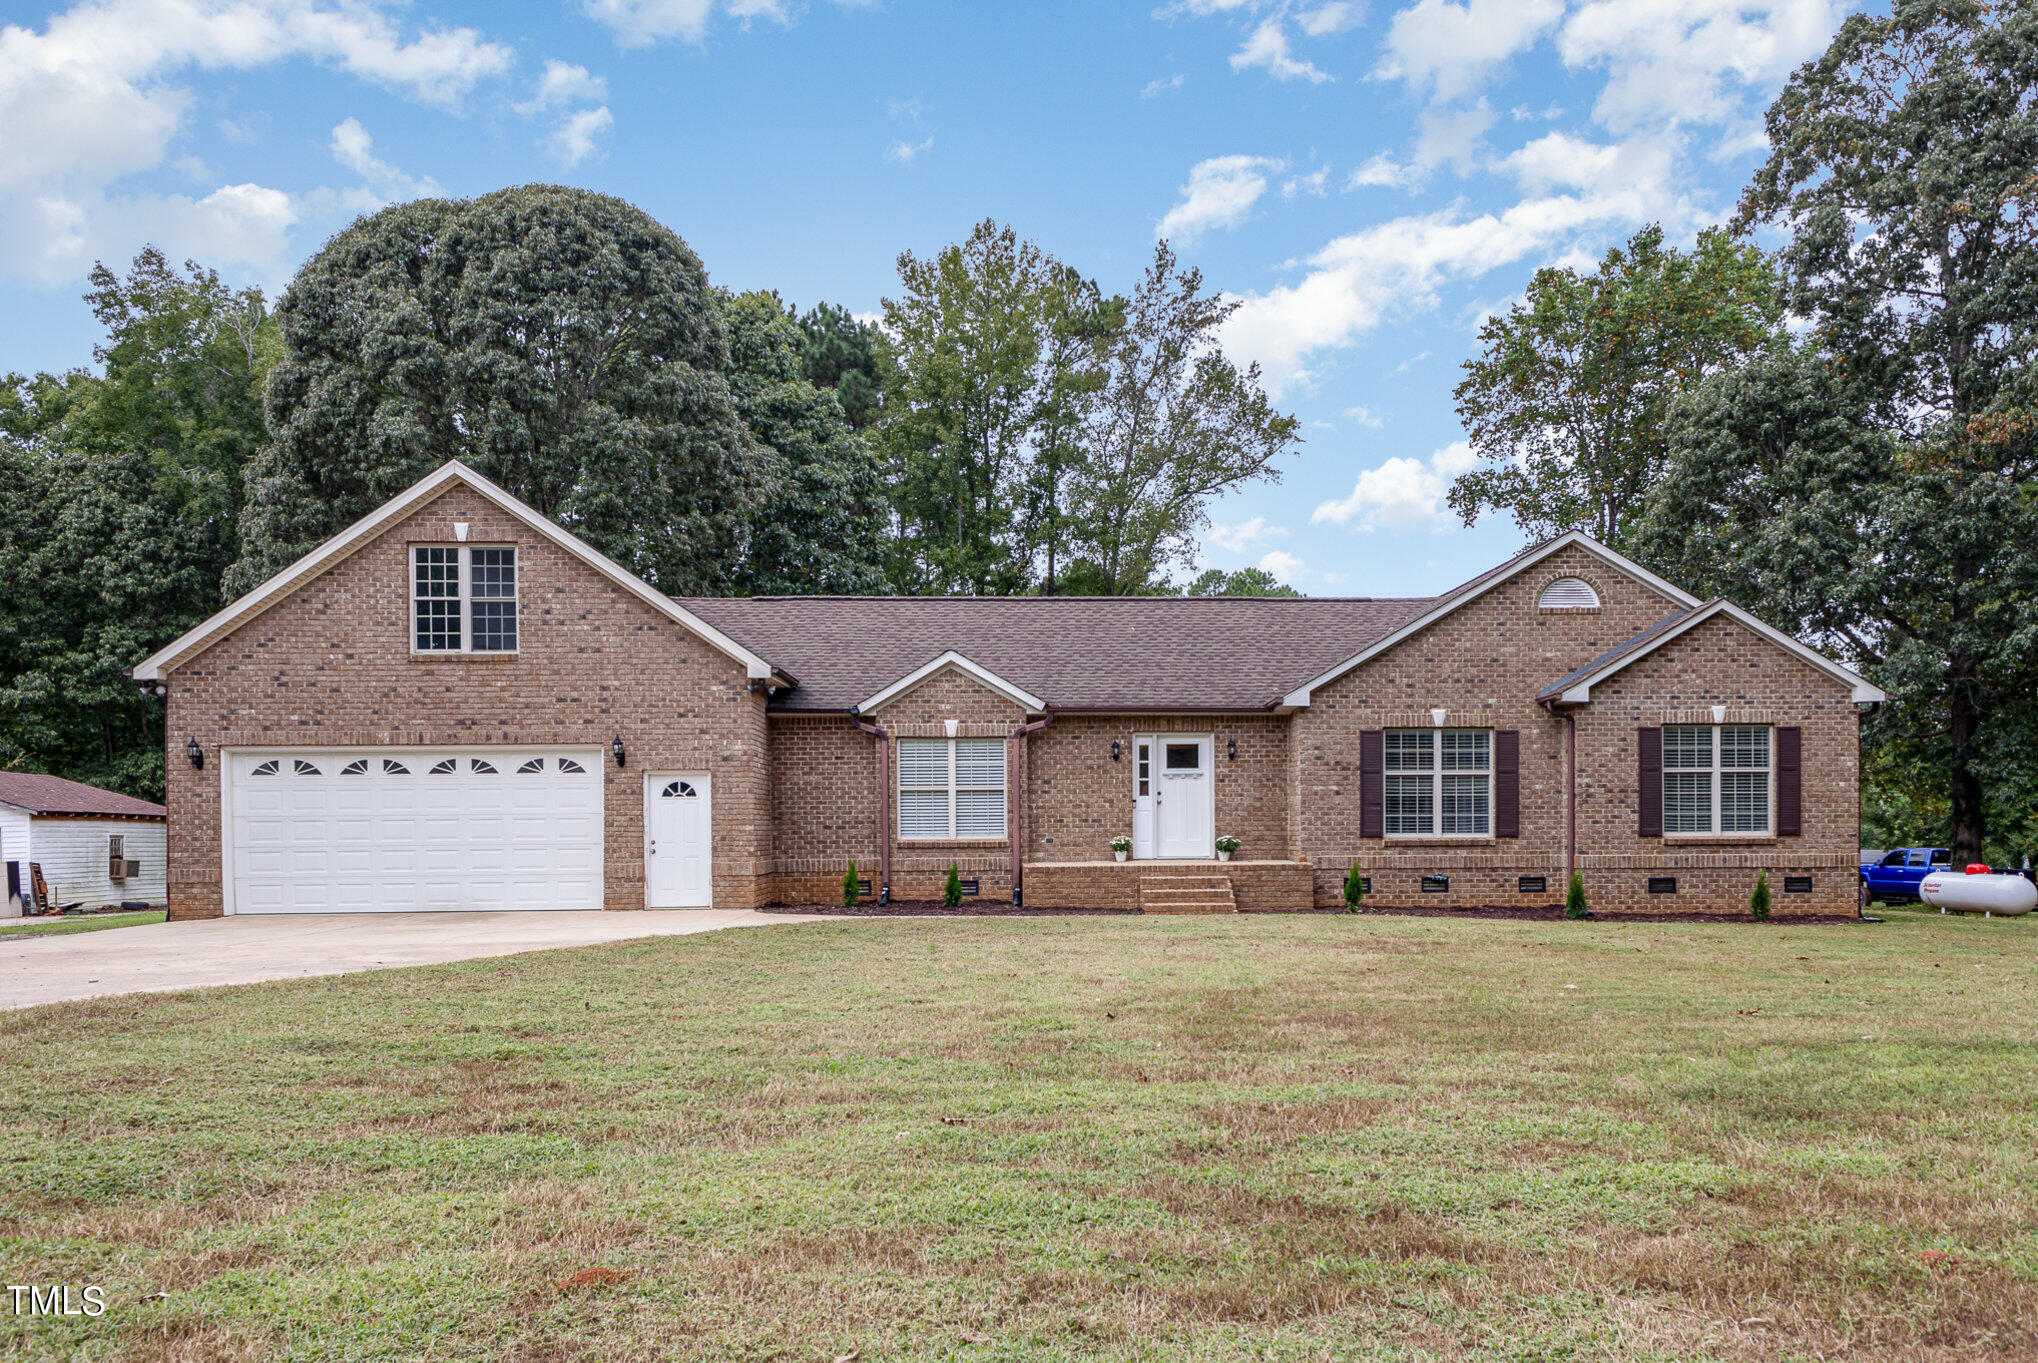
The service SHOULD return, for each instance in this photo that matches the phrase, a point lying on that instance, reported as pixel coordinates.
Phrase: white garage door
(402, 829)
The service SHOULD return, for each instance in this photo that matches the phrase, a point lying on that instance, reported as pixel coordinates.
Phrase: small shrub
(849, 886)
(1227, 844)
(951, 893)
(1121, 843)
(1758, 902)
(1574, 898)
(1355, 889)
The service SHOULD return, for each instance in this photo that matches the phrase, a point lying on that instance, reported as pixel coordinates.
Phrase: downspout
(884, 802)
(1570, 790)
(1015, 798)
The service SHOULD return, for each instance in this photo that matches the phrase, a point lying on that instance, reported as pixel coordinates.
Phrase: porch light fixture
(1231, 749)
(1114, 750)
(195, 753)
(617, 748)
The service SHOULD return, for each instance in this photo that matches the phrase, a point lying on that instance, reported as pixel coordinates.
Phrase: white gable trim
(1300, 696)
(341, 545)
(1026, 700)
(1580, 691)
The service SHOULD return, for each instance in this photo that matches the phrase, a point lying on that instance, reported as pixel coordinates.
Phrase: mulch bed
(1532, 913)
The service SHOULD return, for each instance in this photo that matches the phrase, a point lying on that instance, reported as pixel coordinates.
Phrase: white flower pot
(1117, 855)
(1224, 856)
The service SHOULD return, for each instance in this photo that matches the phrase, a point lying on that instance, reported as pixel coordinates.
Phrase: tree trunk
(1967, 815)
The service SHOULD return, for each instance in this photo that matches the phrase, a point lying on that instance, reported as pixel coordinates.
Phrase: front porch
(1167, 885)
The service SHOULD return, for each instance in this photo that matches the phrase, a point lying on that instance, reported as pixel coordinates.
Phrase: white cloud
(1237, 539)
(1267, 46)
(563, 84)
(1451, 137)
(1311, 184)
(1364, 416)
(353, 148)
(1381, 170)
(1447, 48)
(640, 23)
(904, 153)
(88, 100)
(1220, 192)
(1283, 565)
(1335, 17)
(1644, 166)
(1403, 493)
(1683, 61)
(573, 141)
(1163, 86)
(1396, 267)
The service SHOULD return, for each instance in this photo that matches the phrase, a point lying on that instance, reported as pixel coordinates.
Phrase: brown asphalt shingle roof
(41, 794)
(1636, 644)
(1074, 652)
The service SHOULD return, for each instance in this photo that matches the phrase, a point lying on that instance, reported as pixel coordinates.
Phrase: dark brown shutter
(1650, 782)
(1372, 782)
(1506, 783)
(1789, 783)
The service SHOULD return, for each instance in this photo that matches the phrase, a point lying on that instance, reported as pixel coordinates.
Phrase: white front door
(1183, 816)
(396, 830)
(678, 828)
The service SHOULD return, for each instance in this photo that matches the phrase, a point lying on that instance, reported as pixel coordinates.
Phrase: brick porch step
(1186, 894)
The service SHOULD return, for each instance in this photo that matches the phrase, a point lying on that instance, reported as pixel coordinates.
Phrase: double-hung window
(951, 788)
(462, 599)
(1438, 782)
(1716, 778)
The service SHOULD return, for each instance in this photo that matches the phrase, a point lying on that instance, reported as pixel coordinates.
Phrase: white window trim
(1712, 775)
(1436, 776)
(465, 554)
(1003, 788)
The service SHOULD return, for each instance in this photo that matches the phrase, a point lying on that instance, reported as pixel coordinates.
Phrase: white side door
(678, 830)
(1143, 760)
(1183, 812)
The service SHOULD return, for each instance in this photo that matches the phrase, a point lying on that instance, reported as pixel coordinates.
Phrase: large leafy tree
(562, 342)
(1566, 401)
(1875, 484)
(117, 500)
(840, 351)
(1175, 425)
(1239, 582)
(821, 520)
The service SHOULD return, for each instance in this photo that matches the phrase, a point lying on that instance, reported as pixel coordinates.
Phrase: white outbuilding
(92, 847)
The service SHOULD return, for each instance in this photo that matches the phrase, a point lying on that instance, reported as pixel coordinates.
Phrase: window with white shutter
(951, 788)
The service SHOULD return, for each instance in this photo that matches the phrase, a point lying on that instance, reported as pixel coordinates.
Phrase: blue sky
(1370, 179)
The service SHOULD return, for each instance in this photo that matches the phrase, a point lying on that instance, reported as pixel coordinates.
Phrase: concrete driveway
(241, 950)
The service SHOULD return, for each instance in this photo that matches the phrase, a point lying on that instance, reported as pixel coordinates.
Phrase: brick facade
(796, 795)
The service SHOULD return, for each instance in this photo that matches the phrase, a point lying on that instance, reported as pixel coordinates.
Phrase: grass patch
(95, 922)
(1369, 1138)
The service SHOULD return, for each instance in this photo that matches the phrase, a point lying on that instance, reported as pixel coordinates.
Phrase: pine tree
(951, 893)
(1355, 889)
(1574, 898)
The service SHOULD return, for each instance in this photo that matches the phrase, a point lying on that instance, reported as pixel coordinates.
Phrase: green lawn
(59, 927)
(1264, 1137)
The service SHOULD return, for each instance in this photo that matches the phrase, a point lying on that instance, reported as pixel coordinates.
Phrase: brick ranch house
(457, 704)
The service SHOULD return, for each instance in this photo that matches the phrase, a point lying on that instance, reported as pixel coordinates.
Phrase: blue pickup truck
(1893, 876)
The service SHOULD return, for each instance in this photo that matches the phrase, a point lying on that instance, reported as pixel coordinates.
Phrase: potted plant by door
(1121, 848)
(1226, 845)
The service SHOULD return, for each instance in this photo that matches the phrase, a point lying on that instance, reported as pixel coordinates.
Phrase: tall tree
(116, 514)
(562, 342)
(1176, 425)
(1567, 399)
(965, 338)
(1878, 483)
(820, 522)
(1079, 324)
(839, 350)
(1241, 582)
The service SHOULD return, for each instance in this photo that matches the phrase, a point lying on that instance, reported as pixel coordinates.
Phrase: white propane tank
(1987, 894)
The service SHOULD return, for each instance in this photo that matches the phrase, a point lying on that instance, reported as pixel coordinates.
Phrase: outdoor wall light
(195, 753)
(1114, 750)
(617, 748)
(1231, 749)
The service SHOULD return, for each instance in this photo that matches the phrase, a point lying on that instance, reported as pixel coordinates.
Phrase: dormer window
(463, 599)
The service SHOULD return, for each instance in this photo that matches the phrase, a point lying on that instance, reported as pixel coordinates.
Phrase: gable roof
(1471, 590)
(1130, 653)
(424, 490)
(1576, 688)
(39, 794)
(1025, 700)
